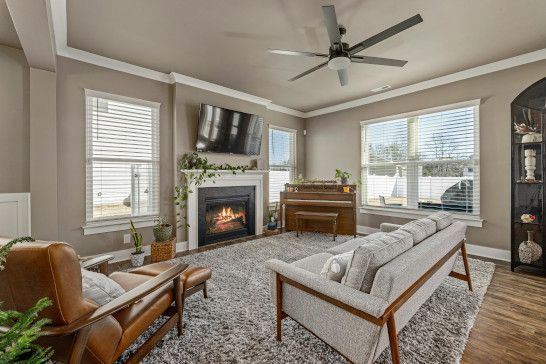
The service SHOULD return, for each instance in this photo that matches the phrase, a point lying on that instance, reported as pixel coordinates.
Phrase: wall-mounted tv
(227, 131)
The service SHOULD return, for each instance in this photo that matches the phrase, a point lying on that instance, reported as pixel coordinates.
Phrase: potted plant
(273, 216)
(342, 176)
(162, 230)
(137, 257)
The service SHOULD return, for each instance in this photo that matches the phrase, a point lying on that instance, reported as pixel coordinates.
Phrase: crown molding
(286, 110)
(212, 87)
(520, 60)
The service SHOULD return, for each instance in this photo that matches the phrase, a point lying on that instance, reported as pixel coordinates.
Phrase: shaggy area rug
(237, 323)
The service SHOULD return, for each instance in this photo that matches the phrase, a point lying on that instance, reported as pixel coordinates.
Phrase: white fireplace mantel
(226, 179)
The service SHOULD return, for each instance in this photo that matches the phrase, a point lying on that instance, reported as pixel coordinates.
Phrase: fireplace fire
(223, 218)
(225, 213)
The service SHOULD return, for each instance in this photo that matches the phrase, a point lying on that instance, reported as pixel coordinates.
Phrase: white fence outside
(430, 188)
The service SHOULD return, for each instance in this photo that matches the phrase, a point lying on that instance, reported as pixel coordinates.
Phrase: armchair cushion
(99, 288)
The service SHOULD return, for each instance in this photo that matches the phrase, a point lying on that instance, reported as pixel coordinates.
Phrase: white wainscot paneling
(14, 214)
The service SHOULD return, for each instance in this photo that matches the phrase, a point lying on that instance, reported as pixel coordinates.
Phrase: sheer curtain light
(122, 165)
(282, 160)
(425, 160)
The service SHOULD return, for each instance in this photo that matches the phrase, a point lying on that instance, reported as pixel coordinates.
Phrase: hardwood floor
(511, 324)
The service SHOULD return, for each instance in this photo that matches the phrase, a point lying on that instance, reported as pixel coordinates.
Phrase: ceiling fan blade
(343, 77)
(308, 71)
(379, 61)
(387, 33)
(330, 19)
(296, 53)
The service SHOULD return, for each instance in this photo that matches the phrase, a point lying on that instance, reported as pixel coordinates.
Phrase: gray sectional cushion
(442, 219)
(353, 243)
(99, 288)
(420, 229)
(313, 263)
(368, 258)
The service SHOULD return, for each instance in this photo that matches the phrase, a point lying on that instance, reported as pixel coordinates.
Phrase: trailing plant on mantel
(17, 342)
(204, 170)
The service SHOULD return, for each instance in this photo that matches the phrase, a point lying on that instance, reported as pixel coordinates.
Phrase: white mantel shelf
(226, 178)
(248, 171)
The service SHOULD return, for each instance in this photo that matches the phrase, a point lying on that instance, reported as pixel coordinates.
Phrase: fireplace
(225, 213)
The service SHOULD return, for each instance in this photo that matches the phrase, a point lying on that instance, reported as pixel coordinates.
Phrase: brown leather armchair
(80, 331)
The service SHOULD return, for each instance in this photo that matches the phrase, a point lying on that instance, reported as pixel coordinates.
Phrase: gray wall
(186, 102)
(14, 121)
(72, 78)
(43, 155)
(333, 141)
(178, 102)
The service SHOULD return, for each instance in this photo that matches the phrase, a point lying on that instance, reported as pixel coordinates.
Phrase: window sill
(470, 220)
(99, 227)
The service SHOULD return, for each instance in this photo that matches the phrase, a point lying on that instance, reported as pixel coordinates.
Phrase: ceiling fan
(340, 55)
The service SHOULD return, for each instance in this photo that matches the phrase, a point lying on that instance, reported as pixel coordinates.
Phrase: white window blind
(425, 160)
(282, 160)
(122, 157)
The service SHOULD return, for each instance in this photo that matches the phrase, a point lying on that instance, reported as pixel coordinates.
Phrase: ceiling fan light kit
(340, 55)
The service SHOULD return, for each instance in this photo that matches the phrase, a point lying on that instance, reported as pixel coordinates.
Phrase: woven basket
(164, 250)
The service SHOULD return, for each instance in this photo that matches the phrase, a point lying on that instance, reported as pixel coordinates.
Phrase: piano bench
(323, 216)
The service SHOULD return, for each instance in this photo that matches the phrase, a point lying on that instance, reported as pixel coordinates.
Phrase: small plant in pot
(162, 230)
(273, 216)
(342, 176)
(137, 257)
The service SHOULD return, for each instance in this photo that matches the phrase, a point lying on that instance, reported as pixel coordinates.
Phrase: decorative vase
(530, 164)
(137, 260)
(344, 180)
(163, 232)
(531, 138)
(529, 251)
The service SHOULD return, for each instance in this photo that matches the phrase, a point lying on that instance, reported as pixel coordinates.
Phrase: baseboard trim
(125, 254)
(487, 252)
(361, 229)
(472, 249)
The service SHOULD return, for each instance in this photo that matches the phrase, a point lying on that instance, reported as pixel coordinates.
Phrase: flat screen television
(227, 131)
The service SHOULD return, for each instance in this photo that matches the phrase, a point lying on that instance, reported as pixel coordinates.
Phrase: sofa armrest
(387, 227)
(361, 301)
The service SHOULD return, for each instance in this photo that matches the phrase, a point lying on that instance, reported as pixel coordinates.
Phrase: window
(426, 160)
(122, 157)
(282, 160)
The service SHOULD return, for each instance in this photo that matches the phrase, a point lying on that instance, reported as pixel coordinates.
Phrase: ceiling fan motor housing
(339, 58)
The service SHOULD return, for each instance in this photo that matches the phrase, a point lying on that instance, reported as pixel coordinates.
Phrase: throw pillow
(420, 229)
(334, 268)
(99, 288)
(442, 219)
(368, 258)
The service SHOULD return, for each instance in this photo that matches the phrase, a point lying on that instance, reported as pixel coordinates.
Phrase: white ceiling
(225, 42)
(8, 35)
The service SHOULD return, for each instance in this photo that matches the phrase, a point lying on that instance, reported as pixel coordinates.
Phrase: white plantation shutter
(282, 160)
(425, 160)
(122, 157)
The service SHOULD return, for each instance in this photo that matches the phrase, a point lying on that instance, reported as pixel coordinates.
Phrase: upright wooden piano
(319, 197)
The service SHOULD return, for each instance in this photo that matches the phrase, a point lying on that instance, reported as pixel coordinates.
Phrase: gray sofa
(360, 325)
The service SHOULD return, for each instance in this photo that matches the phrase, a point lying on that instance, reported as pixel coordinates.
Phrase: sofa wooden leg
(466, 267)
(179, 303)
(393, 340)
(278, 291)
(205, 291)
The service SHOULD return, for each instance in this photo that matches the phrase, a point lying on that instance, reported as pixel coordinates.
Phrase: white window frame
(117, 224)
(293, 169)
(413, 213)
